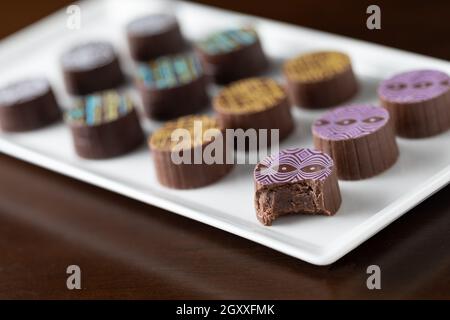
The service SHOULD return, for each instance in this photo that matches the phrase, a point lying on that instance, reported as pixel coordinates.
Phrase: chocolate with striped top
(104, 125)
(295, 181)
(172, 86)
(232, 54)
(360, 139)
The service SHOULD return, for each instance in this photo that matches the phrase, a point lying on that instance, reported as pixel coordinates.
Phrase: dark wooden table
(127, 249)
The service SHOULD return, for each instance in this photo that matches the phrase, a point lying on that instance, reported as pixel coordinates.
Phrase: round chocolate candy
(27, 105)
(418, 101)
(91, 67)
(295, 181)
(255, 103)
(181, 163)
(232, 55)
(360, 139)
(320, 79)
(155, 35)
(172, 86)
(104, 125)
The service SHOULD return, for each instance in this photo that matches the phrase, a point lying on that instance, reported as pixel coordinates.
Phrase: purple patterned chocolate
(414, 86)
(293, 165)
(350, 122)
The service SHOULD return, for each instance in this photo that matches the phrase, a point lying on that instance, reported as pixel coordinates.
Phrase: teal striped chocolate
(99, 108)
(169, 71)
(228, 40)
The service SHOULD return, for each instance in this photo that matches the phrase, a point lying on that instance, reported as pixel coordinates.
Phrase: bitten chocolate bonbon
(359, 138)
(320, 79)
(191, 173)
(91, 67)
(27, 104)
(255, 103)
(295, 181)
(232, 55)
(152, 36)
(104, 125)
(418, 101)
(172, 86)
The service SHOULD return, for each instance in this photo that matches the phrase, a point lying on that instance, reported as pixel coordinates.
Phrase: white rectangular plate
(368, 206)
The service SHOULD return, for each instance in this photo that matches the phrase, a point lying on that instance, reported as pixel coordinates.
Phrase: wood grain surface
(127, 249)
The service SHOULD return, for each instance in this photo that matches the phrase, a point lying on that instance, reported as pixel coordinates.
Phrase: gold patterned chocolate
(195, 126)
(316, 66)
(249, 95)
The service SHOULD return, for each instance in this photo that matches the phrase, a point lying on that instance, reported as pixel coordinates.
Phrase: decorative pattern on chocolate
(99, 108)
(414, 86)
(23, 91)
(350, 122)
(170, 71)
(162, 138)
(227, 41)
(293, 165)
(316, 66)
(151, 24)
(250, 95)
(88, 56)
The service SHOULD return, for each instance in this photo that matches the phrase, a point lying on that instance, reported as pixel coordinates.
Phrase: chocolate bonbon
(232, 54)
(320, 79)
(104, 125)
(255, 103)
(152, 36)
(189, 173)
(27, 104)
(360, 139)
(418, 101)
(172, 86)
(295, 181)
(91, 67)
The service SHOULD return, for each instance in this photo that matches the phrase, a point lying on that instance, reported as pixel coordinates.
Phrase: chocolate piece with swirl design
(360, 139)
(419, 102)
(232, 54)
(91, 67)
(27, 105)
(295, 181)
(104, 125)
(320, 79)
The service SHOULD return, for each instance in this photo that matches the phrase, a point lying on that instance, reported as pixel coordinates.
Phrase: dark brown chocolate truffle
(152, 36)
(295, 181)
(172, 86)
(232, 55)
(418, 101)
(27, 105)
(104, 125)
(255, 103)
(320, 79)
(184, 163)
(359, 138)
(91, 67)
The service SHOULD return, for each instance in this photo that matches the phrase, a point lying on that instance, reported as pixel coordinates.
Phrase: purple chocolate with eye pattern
(350, 122)
(293, 165)
(414, 86)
